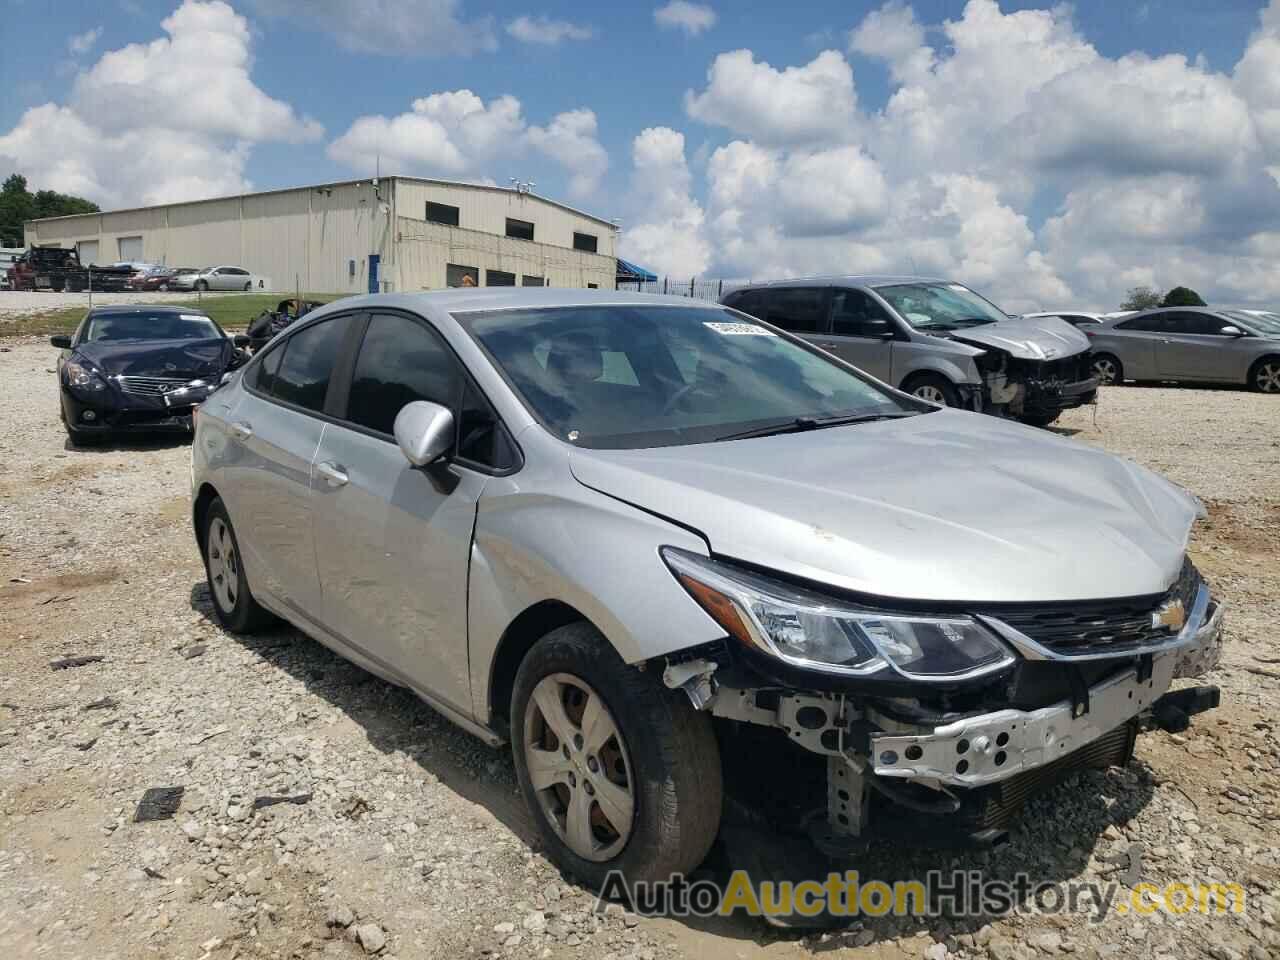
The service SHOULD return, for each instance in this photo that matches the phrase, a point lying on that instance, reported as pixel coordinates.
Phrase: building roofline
(324, 186)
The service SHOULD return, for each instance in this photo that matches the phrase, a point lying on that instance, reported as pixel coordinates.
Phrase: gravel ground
(15, 304)
(409, 838)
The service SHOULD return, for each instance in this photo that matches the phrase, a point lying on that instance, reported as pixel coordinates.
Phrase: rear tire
(233, 602)
(1040, 419)
(654, 750)
(1264, 375)
(248, 286)
(163, 288)
(202, 285)
(1108, 369)
(933, 388)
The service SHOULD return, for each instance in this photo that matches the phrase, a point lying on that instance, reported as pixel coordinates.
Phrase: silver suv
(670, 553)
(935, 339)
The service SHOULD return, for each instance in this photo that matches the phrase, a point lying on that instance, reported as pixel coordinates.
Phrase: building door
(375, 261)
(87, 251)
(130, 249)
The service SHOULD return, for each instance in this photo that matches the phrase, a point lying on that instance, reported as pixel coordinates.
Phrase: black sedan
(140, 369)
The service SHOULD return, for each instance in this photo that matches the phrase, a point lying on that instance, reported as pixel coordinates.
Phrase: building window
(520, 229)
(528, 281)
(499, 278)
(456, 276)
(586, 241)
(593, 286)
(442, 213)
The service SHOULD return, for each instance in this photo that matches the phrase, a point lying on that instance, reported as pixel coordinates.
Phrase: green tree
(1141, 298)
(18, 203)
(1182, 297)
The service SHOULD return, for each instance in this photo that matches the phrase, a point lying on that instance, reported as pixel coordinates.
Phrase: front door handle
(828, 346)
(242, 429)
(334, 474)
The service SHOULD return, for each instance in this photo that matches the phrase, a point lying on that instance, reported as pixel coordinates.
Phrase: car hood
(159, 358)
(1028, 338)
(945, 506)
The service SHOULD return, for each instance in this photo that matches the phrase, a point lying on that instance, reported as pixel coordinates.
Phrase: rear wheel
(1265, 375)
(202, 285)
(248, 286)
(233, 601)
(933, 388)
(1107, 369)
(164, 287)
(620, 772)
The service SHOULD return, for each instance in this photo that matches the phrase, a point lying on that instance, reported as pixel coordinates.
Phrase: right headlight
(807, 629)
(82, 377)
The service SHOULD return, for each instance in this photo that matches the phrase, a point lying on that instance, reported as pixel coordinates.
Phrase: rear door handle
(828, 346)
(334, 474)
(242, 429)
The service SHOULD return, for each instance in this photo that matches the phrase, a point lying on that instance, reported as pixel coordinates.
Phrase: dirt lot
(409, 839)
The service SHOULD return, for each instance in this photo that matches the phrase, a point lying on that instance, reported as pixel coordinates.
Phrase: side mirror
(241, 340)
(1231, 332)
(424, 432)
(61, 340)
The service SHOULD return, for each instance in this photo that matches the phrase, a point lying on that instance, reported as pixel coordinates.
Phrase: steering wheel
(673, 401)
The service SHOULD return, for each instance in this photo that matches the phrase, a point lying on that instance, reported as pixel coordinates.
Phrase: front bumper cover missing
(991, 747)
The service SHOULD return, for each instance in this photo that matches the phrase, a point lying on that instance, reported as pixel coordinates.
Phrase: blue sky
(965, 170)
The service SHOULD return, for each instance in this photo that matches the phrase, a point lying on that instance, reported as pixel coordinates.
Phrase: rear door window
(307, 365)
(798, 309)
(1150, 324)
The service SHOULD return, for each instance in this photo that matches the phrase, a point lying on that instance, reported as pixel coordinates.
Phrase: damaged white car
(673, 555)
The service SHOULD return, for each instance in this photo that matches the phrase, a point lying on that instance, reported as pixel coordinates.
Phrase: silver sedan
(670, 552)
(1189, 344)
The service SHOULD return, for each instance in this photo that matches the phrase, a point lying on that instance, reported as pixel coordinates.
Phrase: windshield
(940, 306)
(150, 326)
(1263, 322)
(625, 377)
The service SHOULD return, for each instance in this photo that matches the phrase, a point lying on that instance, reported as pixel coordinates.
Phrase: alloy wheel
(224, 565)
(1268, 377)
(1105, 370)
(579, 767)
(927, 391)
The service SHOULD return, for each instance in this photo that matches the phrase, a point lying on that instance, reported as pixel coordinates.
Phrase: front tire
(1107, 369)
(1040, 419)
(248, 286)
(163, 288)
(619, 772)
(202, 286)
(932, 388)
(233, 602)
(1264, 376)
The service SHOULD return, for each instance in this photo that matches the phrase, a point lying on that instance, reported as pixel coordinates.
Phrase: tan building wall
(425, 250)
(320, 238)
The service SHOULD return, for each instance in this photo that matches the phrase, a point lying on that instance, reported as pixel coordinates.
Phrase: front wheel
(932, 388)
(1265, 375)
(248, 286)
(163, 288)
(1040, 419)
(620, 772)
(233, 601)
(202, 285)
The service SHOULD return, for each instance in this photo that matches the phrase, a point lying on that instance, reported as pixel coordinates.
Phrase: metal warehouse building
(392, 234)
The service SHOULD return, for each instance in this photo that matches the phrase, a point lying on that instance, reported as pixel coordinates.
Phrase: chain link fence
(698, 289)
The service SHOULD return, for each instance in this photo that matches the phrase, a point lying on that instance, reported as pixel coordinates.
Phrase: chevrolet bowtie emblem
(1171, 615)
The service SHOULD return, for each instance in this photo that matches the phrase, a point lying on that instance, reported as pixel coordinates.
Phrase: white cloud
(545, 31)
(82, 43)
(893, 34)
(692, 18)
(456, 134)
(183, 114)
(812, 103)
(391, 27)
(666, 232)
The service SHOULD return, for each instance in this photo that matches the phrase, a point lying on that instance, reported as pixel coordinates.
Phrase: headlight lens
(807, 629)
(82, 377)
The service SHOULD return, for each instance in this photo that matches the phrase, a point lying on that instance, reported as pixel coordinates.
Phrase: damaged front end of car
(932, 725)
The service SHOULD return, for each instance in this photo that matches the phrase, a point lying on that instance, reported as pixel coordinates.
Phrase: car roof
(460, 299)
(1059, 313)
(146, 308)
(870, 280)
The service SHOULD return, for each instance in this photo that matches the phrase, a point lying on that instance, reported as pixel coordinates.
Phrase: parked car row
(671, 552)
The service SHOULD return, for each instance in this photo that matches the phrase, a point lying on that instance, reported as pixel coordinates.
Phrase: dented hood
(1028, 338)
(159, 358)
(945, 506)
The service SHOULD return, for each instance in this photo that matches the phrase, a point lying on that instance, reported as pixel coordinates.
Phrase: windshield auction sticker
(739, 329)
